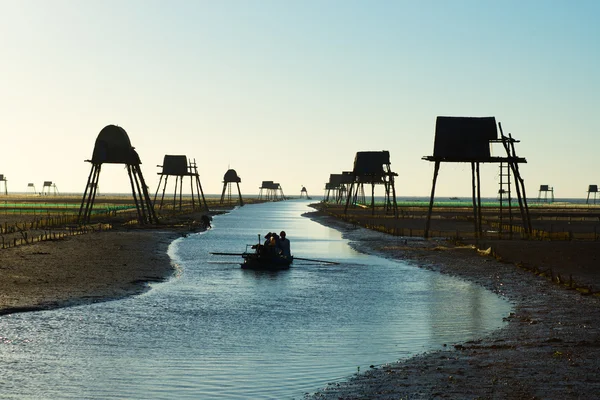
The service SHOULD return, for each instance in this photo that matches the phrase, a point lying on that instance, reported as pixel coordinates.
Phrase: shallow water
(217, 331)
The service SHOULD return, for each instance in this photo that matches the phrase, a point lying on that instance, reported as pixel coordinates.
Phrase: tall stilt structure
(114, 147)
(372, 167)
(467, 139)
(544, 190)
(229, 179)
(270, 191)
(31, 188)
(592, 189)
(337, 187)
(304, 193)
(49, 188)
(4, 181)
(180, 167)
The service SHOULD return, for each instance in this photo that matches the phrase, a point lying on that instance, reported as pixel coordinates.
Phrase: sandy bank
(85, 268)
(550, 347)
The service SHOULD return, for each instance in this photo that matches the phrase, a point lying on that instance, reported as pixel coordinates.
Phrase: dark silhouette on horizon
(374, 168)
(337, 187)
(592, 189)
(545, 189)
(114, 147)
(304, 193)
(468, 139)
(229, 178)
(180, 167)
(270, 191)
(4, 180)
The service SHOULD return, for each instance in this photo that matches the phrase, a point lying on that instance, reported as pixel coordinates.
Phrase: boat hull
(265, 262)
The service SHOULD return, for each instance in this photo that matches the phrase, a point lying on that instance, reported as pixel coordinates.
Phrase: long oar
(320, 261)
(295, 258)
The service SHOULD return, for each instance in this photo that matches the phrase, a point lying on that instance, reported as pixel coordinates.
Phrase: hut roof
(114, 147)
(231, 176)
(175, 165)
(464, 138)
(269, 185)
(370, 162)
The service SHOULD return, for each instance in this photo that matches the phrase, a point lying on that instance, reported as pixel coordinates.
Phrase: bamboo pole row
(379, 224)
(53, 235)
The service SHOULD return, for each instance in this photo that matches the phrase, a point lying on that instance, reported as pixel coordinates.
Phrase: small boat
(267, 258)
(265, 261)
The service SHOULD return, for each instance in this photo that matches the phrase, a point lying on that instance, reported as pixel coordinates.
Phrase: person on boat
(274, 240)
(284, 245)
(268, 239)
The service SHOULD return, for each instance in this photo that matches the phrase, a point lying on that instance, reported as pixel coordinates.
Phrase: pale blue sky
(290, 90)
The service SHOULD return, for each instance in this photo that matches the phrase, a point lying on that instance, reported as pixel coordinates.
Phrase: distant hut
(114, 147)
(543, 194)
(31, 188)
(270, 191)
(4, 181)
(372, 168)
(592, 189)
(180, 167)
(337, 187)
(468, 139)
(229, 179)
(304, 193)
(49, 187)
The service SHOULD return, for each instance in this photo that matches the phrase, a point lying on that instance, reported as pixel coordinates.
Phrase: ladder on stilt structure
(513, 166)
(505, 199)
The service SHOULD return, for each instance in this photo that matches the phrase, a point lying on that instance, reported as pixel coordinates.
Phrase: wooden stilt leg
(435, 175)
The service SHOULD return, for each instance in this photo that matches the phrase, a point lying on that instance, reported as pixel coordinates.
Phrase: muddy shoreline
(83, 269)
(549, 348)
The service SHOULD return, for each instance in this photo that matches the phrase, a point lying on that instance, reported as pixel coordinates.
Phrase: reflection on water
(217, 331)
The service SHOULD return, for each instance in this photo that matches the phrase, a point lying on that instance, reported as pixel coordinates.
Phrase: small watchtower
(31, 188)
(114, 147)
(270, 191)
(229, 179)
(4, 181)
(49, 187)
(180, 167)
(468, 139)
(372, 167)
(337, 187)
(304, 193)
(543, 194)
(592, 189)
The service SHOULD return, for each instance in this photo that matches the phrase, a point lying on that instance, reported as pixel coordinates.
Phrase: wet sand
(548, 349)
(91, 267)
(82, 269)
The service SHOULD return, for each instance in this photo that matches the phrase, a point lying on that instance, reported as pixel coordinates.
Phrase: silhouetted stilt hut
(229, 179)
(374, 168)
(337, 187)
(304, 193)
(49, 187)
(592, 189)
(31, 188)
(4, 181)
(468, 139)
(180, 167)
(114, 147)
(270, 190)
(543, 194)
